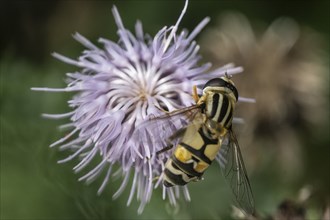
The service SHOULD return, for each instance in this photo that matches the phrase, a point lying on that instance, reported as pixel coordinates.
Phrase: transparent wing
(233, 168)
(167, 129)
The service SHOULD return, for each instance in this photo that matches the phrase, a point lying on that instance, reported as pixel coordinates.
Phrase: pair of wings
(169, 128)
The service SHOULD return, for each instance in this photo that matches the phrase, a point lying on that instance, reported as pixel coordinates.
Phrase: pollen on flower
(120, 85)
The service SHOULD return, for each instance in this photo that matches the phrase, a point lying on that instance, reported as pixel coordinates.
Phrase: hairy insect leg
(194, 94)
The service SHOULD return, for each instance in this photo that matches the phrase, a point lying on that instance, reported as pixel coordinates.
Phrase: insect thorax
(219, 107)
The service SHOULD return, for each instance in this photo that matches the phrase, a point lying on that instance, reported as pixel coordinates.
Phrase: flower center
(143, 95)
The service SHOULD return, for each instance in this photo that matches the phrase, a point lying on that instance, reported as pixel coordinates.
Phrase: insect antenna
(228, 76)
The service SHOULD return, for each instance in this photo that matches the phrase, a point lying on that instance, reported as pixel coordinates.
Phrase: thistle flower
(286, 69)
(117, 88)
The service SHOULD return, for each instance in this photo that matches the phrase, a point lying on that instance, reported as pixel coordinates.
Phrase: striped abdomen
(219, 108)
(191, 157)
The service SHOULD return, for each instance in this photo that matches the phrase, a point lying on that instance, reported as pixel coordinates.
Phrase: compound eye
(216, 82)
(219, 82)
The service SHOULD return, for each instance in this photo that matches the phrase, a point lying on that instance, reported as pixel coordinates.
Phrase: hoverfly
(207, 133)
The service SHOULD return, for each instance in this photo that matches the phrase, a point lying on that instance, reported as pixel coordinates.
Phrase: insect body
(201, 143)
(205, 136)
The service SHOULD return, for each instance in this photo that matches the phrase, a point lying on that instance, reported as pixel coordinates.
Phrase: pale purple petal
(118, 86)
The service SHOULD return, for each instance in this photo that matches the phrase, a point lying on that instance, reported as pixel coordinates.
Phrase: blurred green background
(34, 186)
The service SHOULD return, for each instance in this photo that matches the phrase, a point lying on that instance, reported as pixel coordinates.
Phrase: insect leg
(164, 149)
(194, 94)
(177, 134)
(159, 108)
(155, 178)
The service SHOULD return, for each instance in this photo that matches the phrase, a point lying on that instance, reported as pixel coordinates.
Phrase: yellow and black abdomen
(191, 157)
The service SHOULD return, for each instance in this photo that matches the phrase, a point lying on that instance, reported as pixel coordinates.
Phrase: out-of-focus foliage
(34, 186)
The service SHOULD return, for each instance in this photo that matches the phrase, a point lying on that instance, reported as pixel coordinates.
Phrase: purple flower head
(117, 88)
